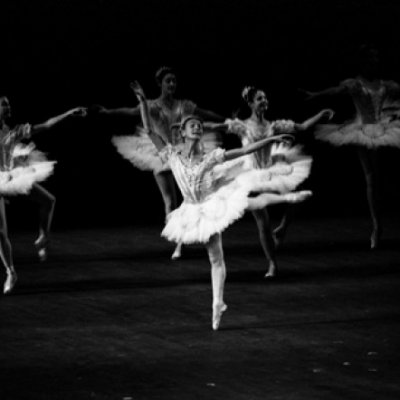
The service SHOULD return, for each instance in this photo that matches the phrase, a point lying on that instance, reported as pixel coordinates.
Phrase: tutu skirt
(140, 151)
(29, 166)
(384, 133)
(233, 182)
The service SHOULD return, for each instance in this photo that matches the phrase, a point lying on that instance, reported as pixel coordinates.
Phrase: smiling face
(259, 103)
(193, 129)
(168, 84)
(5, 108)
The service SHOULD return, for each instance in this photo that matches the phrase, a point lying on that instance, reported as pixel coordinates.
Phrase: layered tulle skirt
(143, 154)
(233, 184)
(28, 166)
(386, 132)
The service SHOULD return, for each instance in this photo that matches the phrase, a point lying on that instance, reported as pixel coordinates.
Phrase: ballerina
(371, 128)
(21, 167)
(164, 112)
(257, 127)
(216, 190)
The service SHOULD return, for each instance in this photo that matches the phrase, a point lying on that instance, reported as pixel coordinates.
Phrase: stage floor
(109, 316)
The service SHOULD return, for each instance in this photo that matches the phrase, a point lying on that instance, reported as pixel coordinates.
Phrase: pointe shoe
(271, 271)
(375, 239)
(176, 254)
(10, 282)
(278, 236)
(297, 197)
(218, 310)
(41, 246)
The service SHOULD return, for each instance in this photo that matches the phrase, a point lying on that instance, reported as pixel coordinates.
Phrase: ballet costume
(216, 192)
(140, 150)
(371, 127)
(21, 165)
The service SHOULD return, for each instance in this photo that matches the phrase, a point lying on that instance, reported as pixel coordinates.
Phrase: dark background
(61, 54)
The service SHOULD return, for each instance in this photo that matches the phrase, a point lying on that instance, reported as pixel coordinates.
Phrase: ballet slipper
(218, 310)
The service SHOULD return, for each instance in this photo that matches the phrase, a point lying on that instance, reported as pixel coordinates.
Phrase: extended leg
(46, 202)
(218, 274)
(369, 165)
(6, 251)
(266, 239)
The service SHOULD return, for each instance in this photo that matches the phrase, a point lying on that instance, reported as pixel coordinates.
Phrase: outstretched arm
(326, 92)
(144, 112)
(50, 123)
(117, 112)
(308, 123)
(251, 148)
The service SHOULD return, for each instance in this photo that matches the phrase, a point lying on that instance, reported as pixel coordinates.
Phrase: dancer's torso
(256, 131)
(163, 117)
(9, 138)
(368, 99)
(194, 178)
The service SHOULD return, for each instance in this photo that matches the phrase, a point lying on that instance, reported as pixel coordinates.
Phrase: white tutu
(28, 166)
(229, 187)
(140, 151)
(143, 154)
(384, 133)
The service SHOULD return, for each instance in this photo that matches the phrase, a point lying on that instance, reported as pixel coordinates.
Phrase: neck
(257, 116)
(192, 147)
(167, 98)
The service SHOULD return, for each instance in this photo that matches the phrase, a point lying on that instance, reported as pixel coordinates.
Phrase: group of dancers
(178, 142)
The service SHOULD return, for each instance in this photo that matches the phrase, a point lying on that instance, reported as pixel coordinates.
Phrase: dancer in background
(164, 111)
(216, 191)
(371, 127)
(255, 128)
(21, 167)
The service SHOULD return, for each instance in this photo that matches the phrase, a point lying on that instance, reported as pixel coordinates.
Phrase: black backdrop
(60, 54)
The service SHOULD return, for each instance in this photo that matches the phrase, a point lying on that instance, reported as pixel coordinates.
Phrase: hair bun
(248, 93)
(162, 71)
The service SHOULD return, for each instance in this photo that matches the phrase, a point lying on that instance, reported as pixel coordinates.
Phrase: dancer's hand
(327, 113)
(138, 90)
(78, 112)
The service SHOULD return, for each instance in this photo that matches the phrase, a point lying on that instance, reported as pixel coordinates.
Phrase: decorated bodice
(250, 131)
(163, 117)
(368, 100)
(195, 179)
(9, 138)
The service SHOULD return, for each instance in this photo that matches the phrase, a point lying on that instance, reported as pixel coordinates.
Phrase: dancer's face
(260, 102)
(168, 84)
(193, 129)
(5, 108)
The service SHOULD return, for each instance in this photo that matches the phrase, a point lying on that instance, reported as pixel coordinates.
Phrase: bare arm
(144, 112)
(334, 90)
(50, 123)
(251, 148)
(117, 112)
(308, 123)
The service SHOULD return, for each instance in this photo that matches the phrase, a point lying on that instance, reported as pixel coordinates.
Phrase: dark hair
(161, 72)
(248, 93)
